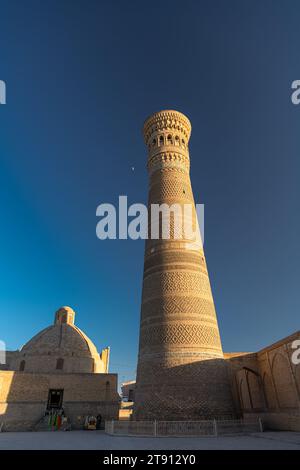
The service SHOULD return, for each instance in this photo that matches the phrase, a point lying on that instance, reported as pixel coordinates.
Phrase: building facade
(58, 369)
(267, 383)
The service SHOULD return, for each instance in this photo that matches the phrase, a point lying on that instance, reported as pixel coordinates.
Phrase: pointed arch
(283, 381)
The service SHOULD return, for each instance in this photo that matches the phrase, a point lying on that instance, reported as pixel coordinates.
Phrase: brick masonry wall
(24, 396)
(268, 382)
(278, 421)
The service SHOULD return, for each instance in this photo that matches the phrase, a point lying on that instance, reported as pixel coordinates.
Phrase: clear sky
(81, 78)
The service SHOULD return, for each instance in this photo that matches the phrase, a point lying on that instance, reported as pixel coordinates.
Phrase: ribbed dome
(64, 339)
(62, 342)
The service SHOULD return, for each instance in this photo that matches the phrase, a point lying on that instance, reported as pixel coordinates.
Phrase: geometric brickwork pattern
(180, 333)
(181, 371)
(175, 306)
(183, 281)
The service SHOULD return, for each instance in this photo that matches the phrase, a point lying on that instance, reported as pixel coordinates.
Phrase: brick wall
(24, 396)
(268, 382)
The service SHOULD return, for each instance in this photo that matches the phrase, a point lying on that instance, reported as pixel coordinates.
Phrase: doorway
(55, 398)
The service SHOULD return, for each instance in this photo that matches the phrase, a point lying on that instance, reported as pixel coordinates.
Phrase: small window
(177, 141)
(22, 366)
(169, 138)
(153, 142)
(161, 140)
(107, 390)
(59, 364)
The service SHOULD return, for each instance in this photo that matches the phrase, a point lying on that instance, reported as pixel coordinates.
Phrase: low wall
(278, 421)
(20, 416)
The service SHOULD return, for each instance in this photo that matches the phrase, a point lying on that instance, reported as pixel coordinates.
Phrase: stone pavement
(98, 440)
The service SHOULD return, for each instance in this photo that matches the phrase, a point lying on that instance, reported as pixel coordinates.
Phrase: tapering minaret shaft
(181, 370)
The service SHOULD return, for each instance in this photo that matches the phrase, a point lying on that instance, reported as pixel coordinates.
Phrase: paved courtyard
(98, 440)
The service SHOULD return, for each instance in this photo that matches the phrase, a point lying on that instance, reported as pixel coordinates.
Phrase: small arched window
(161, 140)
(169, 139)
(59, 364)
(183, 143)
(177, 141)
(22, 366)
(153, 142)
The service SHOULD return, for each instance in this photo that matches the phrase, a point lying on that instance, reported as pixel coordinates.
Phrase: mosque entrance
(55, 398)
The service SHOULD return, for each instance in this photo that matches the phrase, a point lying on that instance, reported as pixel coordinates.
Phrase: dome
(61, 347)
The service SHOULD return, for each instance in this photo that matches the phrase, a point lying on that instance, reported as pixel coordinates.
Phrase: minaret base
(187, 391)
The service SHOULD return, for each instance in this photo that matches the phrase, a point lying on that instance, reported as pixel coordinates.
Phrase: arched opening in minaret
(169, 139)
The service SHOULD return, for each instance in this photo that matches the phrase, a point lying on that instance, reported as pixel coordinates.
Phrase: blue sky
(81, 78)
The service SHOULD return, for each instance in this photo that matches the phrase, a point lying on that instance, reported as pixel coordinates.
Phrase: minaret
(181, 371)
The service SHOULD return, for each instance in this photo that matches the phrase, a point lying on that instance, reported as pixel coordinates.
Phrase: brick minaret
(181, 372)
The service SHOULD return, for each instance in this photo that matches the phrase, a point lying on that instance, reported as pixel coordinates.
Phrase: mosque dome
(61, 347)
